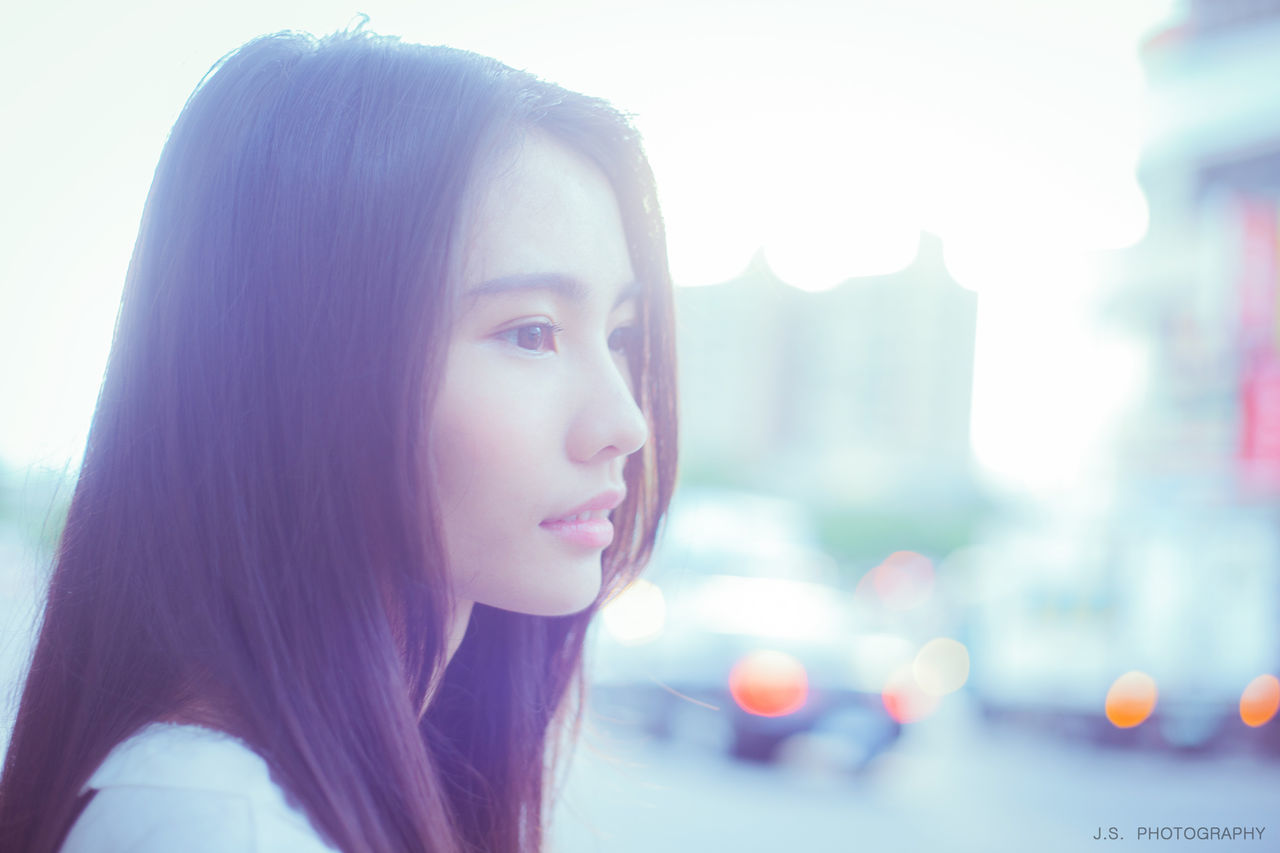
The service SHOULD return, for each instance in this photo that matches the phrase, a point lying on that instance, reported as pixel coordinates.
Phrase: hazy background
(992, 285)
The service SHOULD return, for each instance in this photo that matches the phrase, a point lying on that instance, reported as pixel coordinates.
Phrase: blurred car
(1073, 604)
(739, 638)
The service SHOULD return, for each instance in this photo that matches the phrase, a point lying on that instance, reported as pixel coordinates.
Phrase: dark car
(739, 638)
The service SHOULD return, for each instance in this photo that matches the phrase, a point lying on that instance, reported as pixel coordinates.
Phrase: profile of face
(536, 414)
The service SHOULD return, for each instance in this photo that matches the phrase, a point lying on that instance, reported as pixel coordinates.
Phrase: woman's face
(536, 415)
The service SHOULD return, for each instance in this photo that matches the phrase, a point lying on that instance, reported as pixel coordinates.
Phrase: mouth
(592, 515)
(595, 509)
(586, 530)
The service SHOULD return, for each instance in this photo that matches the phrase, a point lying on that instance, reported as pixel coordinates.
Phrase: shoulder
(181, 787)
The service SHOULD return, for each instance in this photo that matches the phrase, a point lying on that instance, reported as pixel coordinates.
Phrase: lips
(599, 506)
(592, 535)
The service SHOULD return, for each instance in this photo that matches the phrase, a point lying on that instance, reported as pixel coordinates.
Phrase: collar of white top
(179, 755)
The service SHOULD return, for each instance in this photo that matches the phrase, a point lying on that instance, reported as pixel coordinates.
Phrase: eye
(533, 337)
(625, 339)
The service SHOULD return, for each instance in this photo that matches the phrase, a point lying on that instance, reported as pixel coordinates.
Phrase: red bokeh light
(904, 699)
(769, 684)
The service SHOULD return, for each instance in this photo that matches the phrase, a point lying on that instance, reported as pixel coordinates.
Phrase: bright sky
(1008, 128)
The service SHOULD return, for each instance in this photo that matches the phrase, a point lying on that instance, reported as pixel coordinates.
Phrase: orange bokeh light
(769, 684)
(1260, 701)
(1131, 699)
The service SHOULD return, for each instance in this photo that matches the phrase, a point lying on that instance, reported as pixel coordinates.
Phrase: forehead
(545, 214)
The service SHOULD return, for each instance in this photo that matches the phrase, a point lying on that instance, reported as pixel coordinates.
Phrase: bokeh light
(941, 666)
(769, 683)
(903, 581)
(1131, 699)
(637, 615)
(1260, 701)
(904, 698)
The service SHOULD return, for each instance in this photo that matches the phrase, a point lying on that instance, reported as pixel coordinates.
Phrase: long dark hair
(253, 519)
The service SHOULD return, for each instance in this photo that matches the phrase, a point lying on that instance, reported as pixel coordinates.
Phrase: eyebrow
(566, 287)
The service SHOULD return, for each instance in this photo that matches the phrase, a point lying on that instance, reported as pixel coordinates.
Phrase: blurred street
(951, 784)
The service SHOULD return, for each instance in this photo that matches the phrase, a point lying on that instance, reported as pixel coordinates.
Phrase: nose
(608, 422)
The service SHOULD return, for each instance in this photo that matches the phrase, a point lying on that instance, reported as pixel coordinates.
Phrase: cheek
(475, 445)
(499, 445)
(493, 451)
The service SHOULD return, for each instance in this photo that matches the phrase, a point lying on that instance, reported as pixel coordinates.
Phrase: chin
(559, 605)
(570, 595)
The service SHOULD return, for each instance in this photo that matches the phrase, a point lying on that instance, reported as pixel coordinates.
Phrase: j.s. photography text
(1183, 833)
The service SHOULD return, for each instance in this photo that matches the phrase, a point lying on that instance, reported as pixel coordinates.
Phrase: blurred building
(1203, 286)
(854, 395)
(1180, 578)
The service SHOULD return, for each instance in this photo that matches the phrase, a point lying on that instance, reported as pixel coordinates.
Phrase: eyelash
(556, 329)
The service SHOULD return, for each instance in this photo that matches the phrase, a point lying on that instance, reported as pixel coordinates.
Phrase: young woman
(397, 317)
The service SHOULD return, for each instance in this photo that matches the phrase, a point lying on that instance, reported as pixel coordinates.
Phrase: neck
(461, 618)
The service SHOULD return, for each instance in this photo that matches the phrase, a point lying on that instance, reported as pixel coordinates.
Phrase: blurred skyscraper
(854, 395)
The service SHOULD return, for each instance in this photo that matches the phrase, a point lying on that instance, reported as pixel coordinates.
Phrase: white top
(183, 787)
